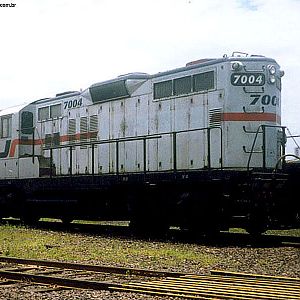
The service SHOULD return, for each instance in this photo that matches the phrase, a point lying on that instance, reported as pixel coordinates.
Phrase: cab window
(6, 127)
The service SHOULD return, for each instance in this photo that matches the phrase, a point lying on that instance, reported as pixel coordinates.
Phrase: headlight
(236, 65)
(272, 69)
(272, 79)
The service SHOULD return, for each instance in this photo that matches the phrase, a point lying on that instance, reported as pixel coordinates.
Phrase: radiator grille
(215, 117)
(93, 127)
(72, 130)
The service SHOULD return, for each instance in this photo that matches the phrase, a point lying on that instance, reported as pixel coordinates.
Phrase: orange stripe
(63, 138)
(270, 117)
(17, 142)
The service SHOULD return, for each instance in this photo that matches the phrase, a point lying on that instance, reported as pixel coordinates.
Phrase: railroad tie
(220, 287)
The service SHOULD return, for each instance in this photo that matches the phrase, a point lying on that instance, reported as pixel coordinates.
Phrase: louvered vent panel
(215, 117)
(72, 130)
(83, 129)
(94, 123)
(48, 140)
(93, 127)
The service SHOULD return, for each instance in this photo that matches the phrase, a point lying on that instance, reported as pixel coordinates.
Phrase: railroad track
(217, 285)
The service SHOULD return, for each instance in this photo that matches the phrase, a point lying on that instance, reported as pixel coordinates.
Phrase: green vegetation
(37, 244)
(20, 241)
(291, 232)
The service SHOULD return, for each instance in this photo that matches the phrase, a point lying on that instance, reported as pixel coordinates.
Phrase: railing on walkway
(262, 130)
(118, 141)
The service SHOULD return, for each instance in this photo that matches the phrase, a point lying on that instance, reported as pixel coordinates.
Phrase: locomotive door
(26, 134)
(214, 132)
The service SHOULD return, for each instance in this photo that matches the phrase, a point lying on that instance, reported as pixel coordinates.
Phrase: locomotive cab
(11, 142)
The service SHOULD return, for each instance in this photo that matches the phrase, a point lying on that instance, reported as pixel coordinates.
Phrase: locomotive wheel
(199, 212)
(149, 227)
(255, 230)
(66, 220)
(30, 220)
(258, 211)
(255, 233)
(148, 212)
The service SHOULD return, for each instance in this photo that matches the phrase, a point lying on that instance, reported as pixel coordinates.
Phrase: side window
(49, 112)
(183, 85)
(55, 111)
(163, 89)
(43, 113)
(203, 81)
(6, 126)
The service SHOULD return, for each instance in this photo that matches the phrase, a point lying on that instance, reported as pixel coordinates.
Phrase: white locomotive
(215, 107)
(213, 115)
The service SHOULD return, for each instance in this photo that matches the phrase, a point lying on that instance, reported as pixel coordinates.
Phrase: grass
(106, 223)
(20, 241)
(25, 242)
(290, 232)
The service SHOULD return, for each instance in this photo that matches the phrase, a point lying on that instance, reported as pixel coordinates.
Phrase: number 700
(264, 99)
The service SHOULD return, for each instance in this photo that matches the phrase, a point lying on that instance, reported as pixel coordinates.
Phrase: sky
(52, 46)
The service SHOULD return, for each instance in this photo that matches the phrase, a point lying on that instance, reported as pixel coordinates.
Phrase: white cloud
(56, 45)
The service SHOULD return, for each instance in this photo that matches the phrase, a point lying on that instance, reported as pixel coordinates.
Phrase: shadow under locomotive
(122, 230)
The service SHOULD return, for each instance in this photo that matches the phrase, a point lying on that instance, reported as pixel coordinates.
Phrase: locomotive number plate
(248, 79)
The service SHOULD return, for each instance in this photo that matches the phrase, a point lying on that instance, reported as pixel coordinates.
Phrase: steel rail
(64, 282)
(93, 268)
(218, 285)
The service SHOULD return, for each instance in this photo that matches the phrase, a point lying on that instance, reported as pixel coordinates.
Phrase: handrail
(254, 151)
(255, 112)
(263, 127)
(249, 131)
(143, 138)
(283, 158)
(254, 91)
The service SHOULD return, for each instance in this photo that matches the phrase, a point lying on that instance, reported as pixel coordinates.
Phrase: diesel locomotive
(199, 147)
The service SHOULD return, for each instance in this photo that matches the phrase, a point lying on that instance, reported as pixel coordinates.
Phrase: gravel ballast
(163, 255)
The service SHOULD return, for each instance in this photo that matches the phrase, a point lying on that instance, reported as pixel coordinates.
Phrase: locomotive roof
(141, 77)
(213, 61)
(12, 109)
(129, 76)
(189, 66)
(57, 97)
(121, 87)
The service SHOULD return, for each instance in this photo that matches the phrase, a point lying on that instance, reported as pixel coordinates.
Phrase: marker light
(272, 79)
(236, 65)
(272, 69)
